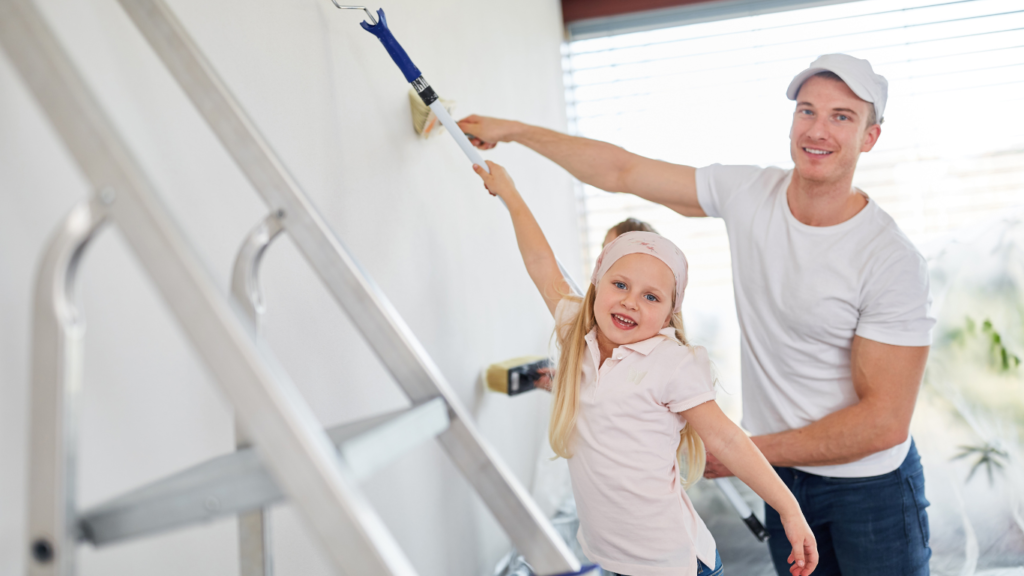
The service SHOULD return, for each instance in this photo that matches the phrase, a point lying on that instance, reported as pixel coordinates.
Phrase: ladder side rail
(285, 431)
(57, 347)
(354, 291)
(255, 557)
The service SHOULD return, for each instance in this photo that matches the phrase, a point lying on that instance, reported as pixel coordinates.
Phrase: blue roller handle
(383, 33)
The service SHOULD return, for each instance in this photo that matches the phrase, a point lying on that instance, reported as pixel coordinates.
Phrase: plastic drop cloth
(972, 401)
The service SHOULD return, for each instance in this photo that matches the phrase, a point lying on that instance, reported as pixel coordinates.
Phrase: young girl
(630, 396)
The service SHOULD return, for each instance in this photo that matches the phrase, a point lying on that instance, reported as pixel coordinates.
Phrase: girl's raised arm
(537, 254)
(734, 448)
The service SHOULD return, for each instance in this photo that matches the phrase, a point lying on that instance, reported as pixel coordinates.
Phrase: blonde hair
(566, 389)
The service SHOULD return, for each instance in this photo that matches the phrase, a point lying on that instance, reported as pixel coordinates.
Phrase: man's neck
(824, 203)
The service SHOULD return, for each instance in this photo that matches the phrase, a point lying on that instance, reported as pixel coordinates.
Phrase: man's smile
(817, 151)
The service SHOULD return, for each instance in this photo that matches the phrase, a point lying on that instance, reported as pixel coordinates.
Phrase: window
(952, 145)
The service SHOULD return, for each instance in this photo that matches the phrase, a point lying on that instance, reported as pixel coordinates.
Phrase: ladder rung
(239, 482)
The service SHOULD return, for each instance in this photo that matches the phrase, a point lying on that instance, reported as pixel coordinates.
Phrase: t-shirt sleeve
(718, 187)
(897, 303)
(691, 383)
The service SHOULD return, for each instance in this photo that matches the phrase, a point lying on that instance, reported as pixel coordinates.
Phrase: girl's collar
(644, 347)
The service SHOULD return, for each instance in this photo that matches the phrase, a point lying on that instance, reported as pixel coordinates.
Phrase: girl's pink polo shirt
(635, 517)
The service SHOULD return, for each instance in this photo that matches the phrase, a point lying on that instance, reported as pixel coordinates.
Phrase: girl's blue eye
(651, 297)
(620, 285)
(843, 117)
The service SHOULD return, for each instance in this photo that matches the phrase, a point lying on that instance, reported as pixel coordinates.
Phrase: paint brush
(517, 375)
(424, 121)
(379, 28)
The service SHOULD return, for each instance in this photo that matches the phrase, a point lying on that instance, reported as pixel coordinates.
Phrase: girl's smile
(633, 301)
(623, 322)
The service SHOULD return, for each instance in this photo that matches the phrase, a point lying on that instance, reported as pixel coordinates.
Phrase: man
(832, 301)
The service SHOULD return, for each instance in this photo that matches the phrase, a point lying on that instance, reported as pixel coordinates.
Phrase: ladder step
(238, 482)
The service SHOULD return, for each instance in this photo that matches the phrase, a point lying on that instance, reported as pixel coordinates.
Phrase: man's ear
(871, 137)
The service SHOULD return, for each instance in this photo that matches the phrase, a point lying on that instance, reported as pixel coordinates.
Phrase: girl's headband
(645, 243)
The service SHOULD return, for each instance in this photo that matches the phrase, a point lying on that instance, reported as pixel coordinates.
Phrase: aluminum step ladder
(294, 457)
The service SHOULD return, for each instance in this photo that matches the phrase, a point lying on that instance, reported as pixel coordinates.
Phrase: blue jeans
(702, 568)
(874, 525)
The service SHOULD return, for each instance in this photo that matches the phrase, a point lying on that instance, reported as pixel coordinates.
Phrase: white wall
(335, 108)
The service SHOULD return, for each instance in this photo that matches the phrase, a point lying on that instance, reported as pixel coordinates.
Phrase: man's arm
(886, 379)
(599, 164)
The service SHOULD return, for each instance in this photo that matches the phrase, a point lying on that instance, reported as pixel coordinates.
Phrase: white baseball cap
(857, 74)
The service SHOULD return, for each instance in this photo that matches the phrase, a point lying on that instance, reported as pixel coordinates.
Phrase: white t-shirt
(803, 292)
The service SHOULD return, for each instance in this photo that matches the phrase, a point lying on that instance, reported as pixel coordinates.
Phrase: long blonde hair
(566, 389)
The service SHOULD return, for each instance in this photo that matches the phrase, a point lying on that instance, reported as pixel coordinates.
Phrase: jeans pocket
(916, 484)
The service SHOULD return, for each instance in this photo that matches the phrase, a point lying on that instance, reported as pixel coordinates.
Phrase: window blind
(952, 146)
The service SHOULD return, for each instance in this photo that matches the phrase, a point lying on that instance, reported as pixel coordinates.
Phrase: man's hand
(715, 469)
(485, 132)
(598, 164)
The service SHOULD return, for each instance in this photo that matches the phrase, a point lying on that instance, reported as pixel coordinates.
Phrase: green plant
(988, 456)
(1000, 357)
(987, 343)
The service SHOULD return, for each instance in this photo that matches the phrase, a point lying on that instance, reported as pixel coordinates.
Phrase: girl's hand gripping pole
(419, 84)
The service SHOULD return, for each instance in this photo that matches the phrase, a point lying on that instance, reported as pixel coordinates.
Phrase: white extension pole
(456, 132)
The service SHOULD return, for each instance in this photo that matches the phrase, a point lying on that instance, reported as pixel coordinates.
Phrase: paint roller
(521, 370)
(378, 26)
